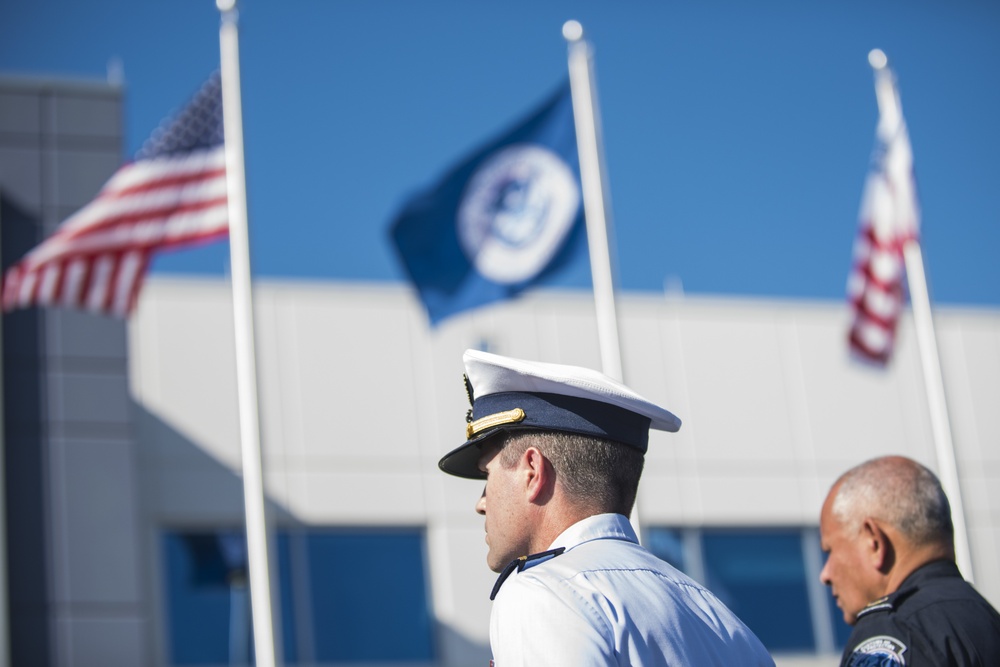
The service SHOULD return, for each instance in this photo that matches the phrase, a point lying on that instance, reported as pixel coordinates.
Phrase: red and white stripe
(98, 257)
(875, 290)
(889, 219)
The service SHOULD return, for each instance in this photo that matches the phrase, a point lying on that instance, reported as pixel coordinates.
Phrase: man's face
(848, 571)
(507, 529)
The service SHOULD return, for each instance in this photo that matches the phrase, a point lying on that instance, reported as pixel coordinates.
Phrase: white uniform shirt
(608, 601)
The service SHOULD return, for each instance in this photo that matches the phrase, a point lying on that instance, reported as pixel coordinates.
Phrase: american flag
(890, 218)
(172, 194)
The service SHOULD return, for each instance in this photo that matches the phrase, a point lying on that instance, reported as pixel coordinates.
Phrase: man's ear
(878, 545)
(537, 474)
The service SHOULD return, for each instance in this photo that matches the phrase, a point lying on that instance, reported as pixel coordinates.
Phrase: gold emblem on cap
(496, 419)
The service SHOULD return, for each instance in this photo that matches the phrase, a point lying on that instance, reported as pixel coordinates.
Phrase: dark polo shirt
(934, 618)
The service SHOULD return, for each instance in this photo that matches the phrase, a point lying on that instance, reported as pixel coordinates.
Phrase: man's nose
(823, 575)
(481, 505)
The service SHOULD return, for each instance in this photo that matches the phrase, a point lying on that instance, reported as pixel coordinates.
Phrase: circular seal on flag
(516, 211)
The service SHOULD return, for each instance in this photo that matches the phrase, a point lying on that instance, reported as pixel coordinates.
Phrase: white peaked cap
(515, 395)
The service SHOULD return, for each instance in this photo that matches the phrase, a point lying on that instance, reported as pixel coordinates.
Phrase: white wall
(360, 399)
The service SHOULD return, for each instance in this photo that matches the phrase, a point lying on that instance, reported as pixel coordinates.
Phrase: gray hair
(593, 472)
(899, 491)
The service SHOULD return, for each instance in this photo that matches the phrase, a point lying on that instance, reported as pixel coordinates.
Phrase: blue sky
(737, 134)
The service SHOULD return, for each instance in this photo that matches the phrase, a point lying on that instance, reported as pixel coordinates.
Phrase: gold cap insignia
(489, 421)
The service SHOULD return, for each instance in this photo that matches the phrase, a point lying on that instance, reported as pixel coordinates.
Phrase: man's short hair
(592, 471)
(899, 491)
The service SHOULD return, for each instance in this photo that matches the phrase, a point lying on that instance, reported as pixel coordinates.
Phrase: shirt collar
(938, 569)
(933, 570)
(597, 527)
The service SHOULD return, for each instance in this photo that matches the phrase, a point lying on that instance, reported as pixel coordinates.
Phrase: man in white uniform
(561, 449)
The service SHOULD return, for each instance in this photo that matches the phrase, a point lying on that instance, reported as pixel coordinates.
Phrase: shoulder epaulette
(519, 564)
(887, 603)
(882, 604)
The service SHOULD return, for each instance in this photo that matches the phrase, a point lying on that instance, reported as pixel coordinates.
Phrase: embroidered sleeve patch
(881, 651)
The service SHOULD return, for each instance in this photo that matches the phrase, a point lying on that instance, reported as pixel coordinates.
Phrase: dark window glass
(667, 544)
(368, 596)
(207, 602)
(288, 627)
(760, 575)
(340, 593)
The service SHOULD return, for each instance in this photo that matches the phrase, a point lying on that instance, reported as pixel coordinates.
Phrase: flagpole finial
(877, 59)
(225, 5)
(572, 31)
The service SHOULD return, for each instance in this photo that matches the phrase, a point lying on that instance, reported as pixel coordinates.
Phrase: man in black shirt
(886, 527)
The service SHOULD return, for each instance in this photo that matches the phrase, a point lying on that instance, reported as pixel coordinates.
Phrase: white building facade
(360, 398)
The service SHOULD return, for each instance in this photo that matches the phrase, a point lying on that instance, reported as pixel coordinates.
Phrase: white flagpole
(258, 560)
(890, 112)
(588, 145)
(938, 407)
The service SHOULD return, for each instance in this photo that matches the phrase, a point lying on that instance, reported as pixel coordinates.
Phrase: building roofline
(32, 83)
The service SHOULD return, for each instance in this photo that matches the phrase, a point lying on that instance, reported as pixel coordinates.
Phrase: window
(369, 596)
(207, 598)
(346, 596)
(768, 576)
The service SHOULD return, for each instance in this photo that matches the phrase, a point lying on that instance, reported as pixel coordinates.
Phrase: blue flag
(506, 218)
